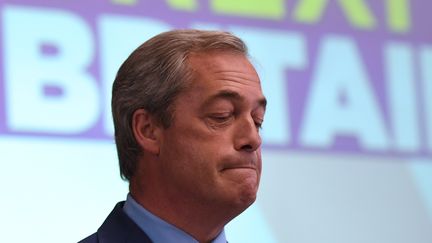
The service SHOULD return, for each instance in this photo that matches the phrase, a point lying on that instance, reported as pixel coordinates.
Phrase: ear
(145, 131)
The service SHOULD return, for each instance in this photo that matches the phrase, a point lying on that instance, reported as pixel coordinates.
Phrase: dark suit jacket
(118, 228)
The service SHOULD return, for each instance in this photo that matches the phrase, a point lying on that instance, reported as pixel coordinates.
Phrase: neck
(200, 220)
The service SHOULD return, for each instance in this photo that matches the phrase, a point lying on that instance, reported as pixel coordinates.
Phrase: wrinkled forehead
(225, 75)
(219, 63)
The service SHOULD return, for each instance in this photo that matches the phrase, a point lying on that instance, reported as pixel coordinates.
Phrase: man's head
(151, 78)
(187, 109)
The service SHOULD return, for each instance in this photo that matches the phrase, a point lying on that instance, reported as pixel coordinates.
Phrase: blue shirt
(157, 229)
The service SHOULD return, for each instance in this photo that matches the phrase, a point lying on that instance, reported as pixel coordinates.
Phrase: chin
(246, 198)
(242, 204)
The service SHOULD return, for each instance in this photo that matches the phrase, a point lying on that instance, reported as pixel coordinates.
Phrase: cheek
(197, 139)
(193, 147)
(189, 158)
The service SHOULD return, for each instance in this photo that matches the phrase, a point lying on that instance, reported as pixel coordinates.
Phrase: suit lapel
(119, 228)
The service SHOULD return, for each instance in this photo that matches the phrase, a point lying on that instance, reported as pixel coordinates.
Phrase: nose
(247, 137)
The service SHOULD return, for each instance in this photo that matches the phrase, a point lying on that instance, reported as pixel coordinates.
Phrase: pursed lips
(239, 168)
(240, 162)
(234, 166)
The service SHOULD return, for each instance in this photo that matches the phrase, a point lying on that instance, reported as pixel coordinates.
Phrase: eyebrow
(232, 95)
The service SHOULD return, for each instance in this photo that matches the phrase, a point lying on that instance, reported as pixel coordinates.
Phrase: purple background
(370, 43)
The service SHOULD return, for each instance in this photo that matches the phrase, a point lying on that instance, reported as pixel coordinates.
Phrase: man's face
(211, 152)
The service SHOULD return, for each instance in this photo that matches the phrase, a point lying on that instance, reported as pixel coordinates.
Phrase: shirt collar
(157, 229)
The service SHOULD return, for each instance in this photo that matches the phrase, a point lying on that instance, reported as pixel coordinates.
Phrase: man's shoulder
(91, 239)
(118, 227)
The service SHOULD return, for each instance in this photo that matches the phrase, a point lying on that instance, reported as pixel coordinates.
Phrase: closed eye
(220, 118)
(259, 123)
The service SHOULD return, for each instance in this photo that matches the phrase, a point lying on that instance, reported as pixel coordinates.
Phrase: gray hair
(152, 77)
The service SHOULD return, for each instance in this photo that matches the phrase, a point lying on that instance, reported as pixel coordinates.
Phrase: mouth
(239, 164)
(238, 167)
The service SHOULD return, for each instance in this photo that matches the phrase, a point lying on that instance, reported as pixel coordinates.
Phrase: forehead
(223, 75)
(216, 68)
